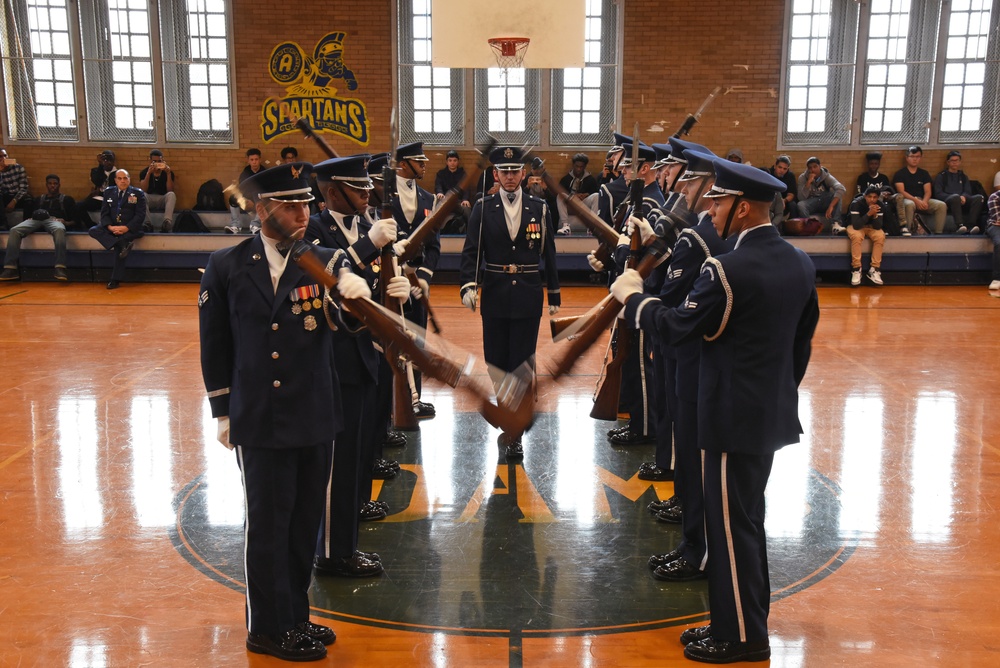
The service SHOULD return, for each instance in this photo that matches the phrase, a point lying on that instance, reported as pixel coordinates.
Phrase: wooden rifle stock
(559, 325)
(605, 234)
(605, 315)
(510, 418)
(608, 396)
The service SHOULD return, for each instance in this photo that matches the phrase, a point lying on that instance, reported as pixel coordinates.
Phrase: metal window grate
(507, 105)
(41, 95)
(431, 99)
(969, 102)
(117, 69)
(195, 45)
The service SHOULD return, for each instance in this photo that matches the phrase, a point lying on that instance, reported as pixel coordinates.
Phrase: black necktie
(511, 197)
(348, 222)
(409, 183)
(283, 248)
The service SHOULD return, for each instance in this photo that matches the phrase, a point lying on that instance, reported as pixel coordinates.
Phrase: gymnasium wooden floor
(120, 514)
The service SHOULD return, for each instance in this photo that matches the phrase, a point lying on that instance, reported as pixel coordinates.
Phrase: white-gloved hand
(595, 264)
(223, 432)
(469, 299)
(382, 232)
(352, 286)
(626, 285)
(398, 287)
(553, 309)
(400, 246)
(645, 229)
(624, 240)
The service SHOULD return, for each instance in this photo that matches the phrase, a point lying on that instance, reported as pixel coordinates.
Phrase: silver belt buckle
(511, 268)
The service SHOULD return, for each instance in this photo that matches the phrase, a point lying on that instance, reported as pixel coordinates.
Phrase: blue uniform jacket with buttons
(354, 353)
(427, 261)
(510, 295)
(609, 197)
(756, 308)
(128, 209)
(269, 369)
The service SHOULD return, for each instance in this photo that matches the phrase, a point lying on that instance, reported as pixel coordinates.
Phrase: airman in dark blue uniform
(122, 214)
(344, 184)
(510, 241)
(267, 360)
(756, 309)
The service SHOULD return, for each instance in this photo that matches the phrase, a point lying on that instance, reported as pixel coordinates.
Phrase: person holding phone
(13, 188)
(157, 180)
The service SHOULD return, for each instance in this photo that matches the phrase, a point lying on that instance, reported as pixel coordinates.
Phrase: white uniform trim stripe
(354, 256)
(729, 296)
(638, 311)
(730, 547)
(642, 377)
(329, 504)
(218, 393)
(246, 534)
(704, 519)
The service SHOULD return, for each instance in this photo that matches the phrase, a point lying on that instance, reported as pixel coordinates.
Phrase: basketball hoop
(509, 51)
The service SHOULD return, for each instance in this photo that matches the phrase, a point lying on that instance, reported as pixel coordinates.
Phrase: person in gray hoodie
(820, 193)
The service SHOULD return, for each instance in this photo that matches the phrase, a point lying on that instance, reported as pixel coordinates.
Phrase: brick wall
(675, 52)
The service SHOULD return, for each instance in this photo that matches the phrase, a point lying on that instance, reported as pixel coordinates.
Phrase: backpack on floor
(211, 197)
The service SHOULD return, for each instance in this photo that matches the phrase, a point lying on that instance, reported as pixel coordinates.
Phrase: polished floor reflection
(122, 515)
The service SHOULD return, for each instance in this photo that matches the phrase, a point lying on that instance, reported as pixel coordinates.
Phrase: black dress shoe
(394, 439)
(629, 437)
(514, 450)
(370, 556)
(423, 410)
(113, 284)
(656, 506)
(658, 560)
(679, 570)
(388, 463)
(125, 249)
(372, 511)
(689, 636)
(351, 567)
(654, 472)
(617, 430)
(292, 645)
(711, 650)
(381, 470)
(672, 515)
(324, 634)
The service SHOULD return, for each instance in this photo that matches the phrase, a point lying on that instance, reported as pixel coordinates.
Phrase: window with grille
(128, 85)
(577, 105)
(926, 72)
(37, 61)
(431, 99)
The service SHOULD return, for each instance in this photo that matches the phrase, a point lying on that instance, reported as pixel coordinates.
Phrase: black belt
(510, 268)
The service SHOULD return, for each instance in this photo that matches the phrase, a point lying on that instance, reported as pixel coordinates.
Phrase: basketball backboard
(460, 30)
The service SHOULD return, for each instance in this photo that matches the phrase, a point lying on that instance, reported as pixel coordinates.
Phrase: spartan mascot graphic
(311, 84)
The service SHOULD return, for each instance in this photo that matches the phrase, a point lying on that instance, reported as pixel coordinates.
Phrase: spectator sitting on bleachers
(820, 193)
(122, 215)
(448, 177)
(288, 154)
(993, 232)
(867, 214)
(734, 155)
(887, 193)
(533, 184)
(784, 203)
(610, 170)
(236, 226)
(13, 189)
(953, 188)
(157, 181)
(103, 177)
(52, 211)
(583, 186)
(914, 184)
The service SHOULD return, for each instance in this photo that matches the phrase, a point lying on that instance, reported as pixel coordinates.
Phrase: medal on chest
(308, 295)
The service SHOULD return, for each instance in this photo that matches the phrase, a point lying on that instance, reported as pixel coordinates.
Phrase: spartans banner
(311, 85)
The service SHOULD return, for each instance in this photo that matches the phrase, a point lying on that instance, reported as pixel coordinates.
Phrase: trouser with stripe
(637, 375)
(739, 589)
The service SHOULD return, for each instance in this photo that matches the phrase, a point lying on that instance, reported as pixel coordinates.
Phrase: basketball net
(509, 52)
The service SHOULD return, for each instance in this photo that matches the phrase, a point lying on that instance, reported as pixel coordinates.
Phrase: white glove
(553, 309)
(398, 287)
(645, 229)
(400, 246)
(469, 299)
(223, 432)
(382, 232)
(624, 240)
(626, 285)
(352, 286)
(595, 264)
